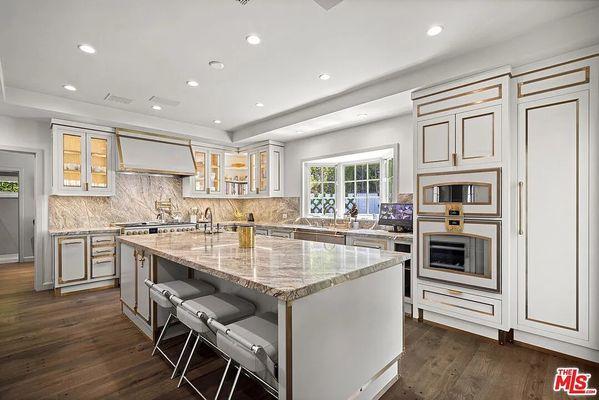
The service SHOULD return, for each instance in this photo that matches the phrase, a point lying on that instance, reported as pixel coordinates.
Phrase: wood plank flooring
(81, 347)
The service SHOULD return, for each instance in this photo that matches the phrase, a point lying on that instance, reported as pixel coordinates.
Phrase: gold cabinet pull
(454, 159)
(456, 292)
(520, 229)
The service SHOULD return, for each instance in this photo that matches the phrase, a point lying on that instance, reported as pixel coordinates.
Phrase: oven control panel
(148, 230)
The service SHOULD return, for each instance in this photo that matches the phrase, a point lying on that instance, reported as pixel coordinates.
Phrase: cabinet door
(436, 142)
(253, 173)
(99, 164)
(128, 263)
(553, 264)
(71, 161)
(215, 172)
(72, 259)
(199, 180)
(276, 171)
(478, 136)
(143, 292)
(263, 173)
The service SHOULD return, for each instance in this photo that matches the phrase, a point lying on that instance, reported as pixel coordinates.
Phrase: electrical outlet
(284, 216)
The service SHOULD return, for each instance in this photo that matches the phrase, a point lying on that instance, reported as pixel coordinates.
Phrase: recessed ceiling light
(362, 116)
(253, 39)
(216, 64)
(324, 77)
(156, 107)
(434, 30)
(70, 88)
(192, 83)
(259, 104)
(217, 121)
(87, 48)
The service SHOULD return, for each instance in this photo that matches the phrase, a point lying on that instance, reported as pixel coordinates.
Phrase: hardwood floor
(81, 347)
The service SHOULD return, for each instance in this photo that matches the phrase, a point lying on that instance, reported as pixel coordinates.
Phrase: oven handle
(520, 229)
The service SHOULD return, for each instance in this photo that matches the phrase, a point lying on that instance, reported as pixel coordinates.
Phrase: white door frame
(21, 200)
(41, 213)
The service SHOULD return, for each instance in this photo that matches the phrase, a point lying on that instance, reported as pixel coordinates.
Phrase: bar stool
(195, 313)
(252, 344)
(182, 289)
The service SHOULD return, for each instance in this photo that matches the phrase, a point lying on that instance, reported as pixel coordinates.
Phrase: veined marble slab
(287, 269)
(83, 231)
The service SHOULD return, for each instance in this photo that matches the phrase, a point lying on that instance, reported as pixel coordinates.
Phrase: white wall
(31, 135)
(360, 138)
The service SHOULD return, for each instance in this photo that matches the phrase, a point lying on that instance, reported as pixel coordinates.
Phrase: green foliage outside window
(12, 187)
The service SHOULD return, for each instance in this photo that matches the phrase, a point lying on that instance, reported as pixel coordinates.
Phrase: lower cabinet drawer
(455, 303)
(103, 251)
(102, 240)
(281, 234)
(103, 267)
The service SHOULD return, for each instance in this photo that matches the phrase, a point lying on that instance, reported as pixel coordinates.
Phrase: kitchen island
(340, 308)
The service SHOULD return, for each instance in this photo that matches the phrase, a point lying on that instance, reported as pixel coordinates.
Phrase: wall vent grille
(117, 99)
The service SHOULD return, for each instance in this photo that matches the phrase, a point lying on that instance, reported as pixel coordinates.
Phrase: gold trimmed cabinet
(83, 159)
(84, 261)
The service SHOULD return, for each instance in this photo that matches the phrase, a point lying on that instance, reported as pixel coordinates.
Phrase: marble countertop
(287, 269)
(376, 233)
(83, 231)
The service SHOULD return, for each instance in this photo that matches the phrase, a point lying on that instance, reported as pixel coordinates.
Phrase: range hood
(154, 154)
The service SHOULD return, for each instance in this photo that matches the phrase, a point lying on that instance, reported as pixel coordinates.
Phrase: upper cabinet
(83, 162)
(246, 172)
(460, 127)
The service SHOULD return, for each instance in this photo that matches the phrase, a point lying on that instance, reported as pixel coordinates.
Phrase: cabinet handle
(69, 243)
(453, 291)
(520, 229)
(103, 262)
(454, 159)
(104, 241)
(86, 187)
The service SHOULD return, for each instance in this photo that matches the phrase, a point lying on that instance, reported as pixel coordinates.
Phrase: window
(9, 186)
(335, 184)
(322, 190)
(363, 187)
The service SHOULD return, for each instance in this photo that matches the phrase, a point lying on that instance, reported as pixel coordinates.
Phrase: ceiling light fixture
(156, 107)
(259, 104)
(324, 77)
(192, 83)
(217, 121)
(70, 88)
(362, 116)
(434, 30)
(253, 39)
(87, 48)
(216, 64)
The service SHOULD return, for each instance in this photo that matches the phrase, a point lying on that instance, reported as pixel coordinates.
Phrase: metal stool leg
(193, 350)
(168, 320)
(181, 355)
(235, 382)
(223, 379)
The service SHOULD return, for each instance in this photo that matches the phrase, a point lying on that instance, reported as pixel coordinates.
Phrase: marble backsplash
(135, 197)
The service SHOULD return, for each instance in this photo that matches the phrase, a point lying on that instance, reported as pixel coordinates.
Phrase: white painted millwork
(71, 259)
(478, 136)
(78, 168)
(436, 142)
(128, 263)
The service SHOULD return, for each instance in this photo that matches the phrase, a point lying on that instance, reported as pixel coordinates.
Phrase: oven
(468, 256)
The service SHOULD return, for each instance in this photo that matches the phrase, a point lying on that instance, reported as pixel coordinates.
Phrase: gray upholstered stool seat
(252, 345)
(224, 307)
(183, 289)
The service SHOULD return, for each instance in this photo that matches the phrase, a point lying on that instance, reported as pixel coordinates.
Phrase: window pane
(350, 173)
(374, 171)
(329, 205)
(361, 187)
(349, 203)
(328, 174)
(361, 203)
(315, 174)
(350, 188)
(374, 204)
(361, 171)
(316, 206)
(374, 187)
(390, 168)
(316, 189)
(329, 189)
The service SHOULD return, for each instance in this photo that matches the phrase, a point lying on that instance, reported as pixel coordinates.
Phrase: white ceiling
(152, 47)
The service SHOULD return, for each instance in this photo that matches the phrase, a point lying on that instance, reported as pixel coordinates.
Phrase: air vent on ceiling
(164, 102)
(243, 2)
(117, 99)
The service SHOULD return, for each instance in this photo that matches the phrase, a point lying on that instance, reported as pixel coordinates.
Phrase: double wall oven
(458, 228)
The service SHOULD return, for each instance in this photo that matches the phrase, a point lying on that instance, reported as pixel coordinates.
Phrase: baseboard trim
(29, 259)
(9, 258)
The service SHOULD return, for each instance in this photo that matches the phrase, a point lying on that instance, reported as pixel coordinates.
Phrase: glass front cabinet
(83, 162)
(246, 172)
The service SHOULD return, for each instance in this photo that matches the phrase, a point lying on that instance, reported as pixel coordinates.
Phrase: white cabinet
(471, 137)
(553, 216)
(208, 180)
(71, 259)
(135, 269)
(83, 162)
(266, 171)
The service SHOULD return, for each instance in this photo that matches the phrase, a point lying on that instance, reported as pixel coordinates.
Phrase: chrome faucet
(208, 211)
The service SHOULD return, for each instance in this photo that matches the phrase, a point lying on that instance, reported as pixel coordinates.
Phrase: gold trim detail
(556, 65)
(375, 377)
(289, 351)
(423, 129)
(587, 79)
(575, 100)
(60, 240)
(463, 86)
(492, 313)
(487, 185)
(492, 114)
(480, 90)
